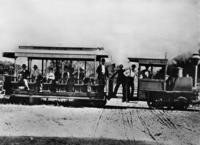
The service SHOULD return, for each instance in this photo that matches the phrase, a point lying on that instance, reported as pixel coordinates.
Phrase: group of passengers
(52, 76)
(24, 76)
(125, 77)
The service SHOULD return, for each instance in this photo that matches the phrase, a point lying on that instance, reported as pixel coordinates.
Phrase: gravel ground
(117, 121)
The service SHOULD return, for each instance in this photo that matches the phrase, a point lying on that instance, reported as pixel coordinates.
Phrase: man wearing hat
(36, 77)
(24, 74)
(130, 76)
(102, 72)
(120, 81)
(35, 73)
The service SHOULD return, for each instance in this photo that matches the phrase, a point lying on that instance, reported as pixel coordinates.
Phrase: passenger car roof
(51, 52)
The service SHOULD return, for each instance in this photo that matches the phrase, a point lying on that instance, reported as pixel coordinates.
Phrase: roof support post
(42, 66)
(29, 64)
(95, 68)
(85, 69)
(15, 70)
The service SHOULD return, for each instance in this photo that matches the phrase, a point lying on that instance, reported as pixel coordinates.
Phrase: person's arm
(27, 74)
(31, 75)
(136, 73)
(107, 73)
(114, 74)
(98, 69)
(52, 76)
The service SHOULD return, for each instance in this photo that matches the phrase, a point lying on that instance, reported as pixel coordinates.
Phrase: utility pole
(165, 54)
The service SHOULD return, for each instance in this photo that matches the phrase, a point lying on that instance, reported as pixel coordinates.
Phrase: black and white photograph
(99, 72)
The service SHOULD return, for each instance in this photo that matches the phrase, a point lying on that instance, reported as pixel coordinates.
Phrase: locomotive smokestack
(195, 61)
(180, 72)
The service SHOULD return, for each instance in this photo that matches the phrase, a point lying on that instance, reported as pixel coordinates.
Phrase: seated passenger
(24, 74)
(57, 75)
(36, 77)
(71, 78)
(51, 79)
(146, 73)
(79, 75)
(50, 75)
(66, 74)
(35, 74)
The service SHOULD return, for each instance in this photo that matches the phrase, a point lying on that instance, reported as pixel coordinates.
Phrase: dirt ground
(117, 123)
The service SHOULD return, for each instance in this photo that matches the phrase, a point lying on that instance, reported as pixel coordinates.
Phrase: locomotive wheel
(181, 103)
(150, 102)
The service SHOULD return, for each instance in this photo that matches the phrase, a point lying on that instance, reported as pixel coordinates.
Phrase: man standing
(102, 72)
(111, 81)
(132, 78)
(120, 81)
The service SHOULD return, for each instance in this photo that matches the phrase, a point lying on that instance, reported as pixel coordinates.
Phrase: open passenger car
(80, 63)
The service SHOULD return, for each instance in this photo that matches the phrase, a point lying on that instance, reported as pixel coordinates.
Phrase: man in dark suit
(121, 78)
(102, 72)
(24, 75)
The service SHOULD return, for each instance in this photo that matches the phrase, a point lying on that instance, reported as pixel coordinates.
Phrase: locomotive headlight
(89, 89)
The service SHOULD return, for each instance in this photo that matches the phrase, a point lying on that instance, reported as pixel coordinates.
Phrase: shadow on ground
(87, 103)
(26, 140)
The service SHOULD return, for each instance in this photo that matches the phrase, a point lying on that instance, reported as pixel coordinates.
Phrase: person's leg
(124, 91)
(128, 93)
(116, 88)
(110, 87)
(132, 89)
(53, 86)
(37, 85)
(26, 84)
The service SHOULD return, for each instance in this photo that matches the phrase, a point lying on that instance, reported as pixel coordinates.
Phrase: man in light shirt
(51, 79)
(36, 77)
(132, 77)
(129, 82)
(50, 75)
(35, 73)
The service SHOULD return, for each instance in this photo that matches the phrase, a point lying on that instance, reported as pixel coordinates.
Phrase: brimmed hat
(121, 66)
(133, 65)
(35, 66)
(23, 66)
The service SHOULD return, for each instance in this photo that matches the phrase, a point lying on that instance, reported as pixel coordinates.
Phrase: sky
(125, 28)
